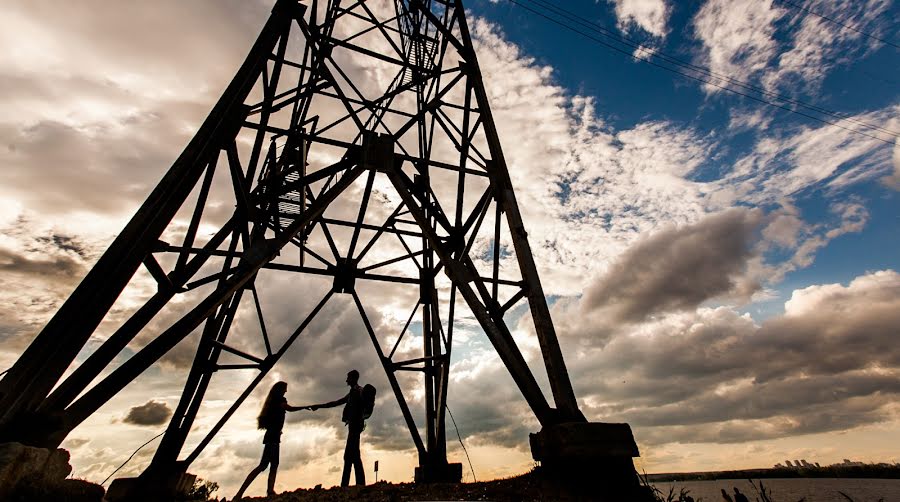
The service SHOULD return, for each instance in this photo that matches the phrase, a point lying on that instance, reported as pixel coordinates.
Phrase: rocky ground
(532, 486)
(30, 474)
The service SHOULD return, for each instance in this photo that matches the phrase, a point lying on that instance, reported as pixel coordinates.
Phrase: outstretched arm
(330, 404)
(288, 407)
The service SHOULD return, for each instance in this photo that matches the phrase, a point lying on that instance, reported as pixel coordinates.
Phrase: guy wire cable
(461, 443)
(131, 457)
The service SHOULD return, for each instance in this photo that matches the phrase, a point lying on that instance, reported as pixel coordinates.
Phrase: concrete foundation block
(594, 459)
(440, 473)
(151, 487)
(583, 441)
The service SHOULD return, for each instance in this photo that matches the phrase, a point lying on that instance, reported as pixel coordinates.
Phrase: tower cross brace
(337, 104)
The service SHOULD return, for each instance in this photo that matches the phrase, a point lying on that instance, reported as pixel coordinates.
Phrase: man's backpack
(368, 400)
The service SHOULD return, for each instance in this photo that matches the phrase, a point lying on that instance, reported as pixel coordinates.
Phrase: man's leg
(360, 472)
(351, 457)
(348, 460)
(356, 458)
(345, 476)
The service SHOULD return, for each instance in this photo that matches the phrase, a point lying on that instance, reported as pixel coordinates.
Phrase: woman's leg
(250, 477)
(255, 472)
(273, 454)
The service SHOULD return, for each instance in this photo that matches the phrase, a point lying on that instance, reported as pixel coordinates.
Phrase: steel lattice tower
(294, 130)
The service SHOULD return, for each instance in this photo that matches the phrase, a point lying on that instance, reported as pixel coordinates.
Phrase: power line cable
(835, 21)
(461, 443)
(653, 53)
(679, 62)
(131, 457)
(706, 71)
(712, 83)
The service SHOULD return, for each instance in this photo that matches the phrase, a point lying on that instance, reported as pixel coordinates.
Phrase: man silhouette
(353, 418)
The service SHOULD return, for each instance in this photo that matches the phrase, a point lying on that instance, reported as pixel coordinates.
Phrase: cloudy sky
(722, 273)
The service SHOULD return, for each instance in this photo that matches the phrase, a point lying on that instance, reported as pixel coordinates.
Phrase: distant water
(792, 490)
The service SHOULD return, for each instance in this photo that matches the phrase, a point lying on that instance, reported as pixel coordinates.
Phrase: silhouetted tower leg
(300, 142)
(35, 373)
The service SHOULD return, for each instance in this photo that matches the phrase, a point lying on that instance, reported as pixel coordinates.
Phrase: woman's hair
(273, 401)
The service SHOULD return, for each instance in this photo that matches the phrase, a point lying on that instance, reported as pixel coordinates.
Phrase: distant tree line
(874, 471)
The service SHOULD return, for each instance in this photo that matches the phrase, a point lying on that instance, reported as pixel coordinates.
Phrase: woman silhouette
(271, 418)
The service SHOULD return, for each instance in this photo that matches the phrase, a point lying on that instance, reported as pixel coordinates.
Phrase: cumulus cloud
(649, 15)
(65, 267)
(724, 256)
(714, 375)
(48, 254)
(39, 263)
(831, 316)
(788, 232)
(149, 413)
(74, 96)
(679, 268)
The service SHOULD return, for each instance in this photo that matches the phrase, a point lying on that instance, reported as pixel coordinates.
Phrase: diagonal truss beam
(268, 132)
(56, 347)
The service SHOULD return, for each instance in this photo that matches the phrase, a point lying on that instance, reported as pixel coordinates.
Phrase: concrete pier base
(594, 458)
(439, 473)
(151, 486)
